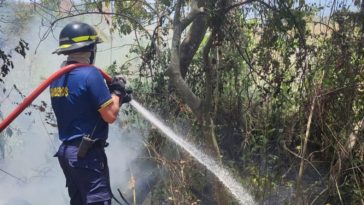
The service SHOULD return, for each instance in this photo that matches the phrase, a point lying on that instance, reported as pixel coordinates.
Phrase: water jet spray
(235, 188)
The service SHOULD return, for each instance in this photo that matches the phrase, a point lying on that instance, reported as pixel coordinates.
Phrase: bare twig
(307, 134)
(302, 158)
(13, 176)
(318, 196)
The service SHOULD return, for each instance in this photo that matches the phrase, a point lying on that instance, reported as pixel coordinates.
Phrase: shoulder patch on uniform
(59, 92)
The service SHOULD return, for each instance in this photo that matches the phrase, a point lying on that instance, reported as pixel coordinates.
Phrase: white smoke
(37, 178)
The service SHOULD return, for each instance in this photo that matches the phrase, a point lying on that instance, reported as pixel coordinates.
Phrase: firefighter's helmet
(77, 36)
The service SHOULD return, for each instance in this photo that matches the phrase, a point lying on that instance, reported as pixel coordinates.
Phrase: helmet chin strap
(93, 55)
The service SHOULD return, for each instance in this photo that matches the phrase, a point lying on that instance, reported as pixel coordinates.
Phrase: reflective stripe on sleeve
(105, 104)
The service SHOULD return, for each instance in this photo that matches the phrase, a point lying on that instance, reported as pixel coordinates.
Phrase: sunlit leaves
(137, 10)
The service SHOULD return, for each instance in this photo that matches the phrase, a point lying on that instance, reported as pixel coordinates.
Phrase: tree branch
(191, 42)
(97, 12)
(190, 17)
(87, 13)
(229, 8)
(176, 81)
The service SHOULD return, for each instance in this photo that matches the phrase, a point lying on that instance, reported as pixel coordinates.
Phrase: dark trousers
(87, 179)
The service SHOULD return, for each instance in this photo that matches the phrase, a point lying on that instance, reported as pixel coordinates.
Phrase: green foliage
(7, 62)
(6, 65)
(270, 68)
(136, 10)
(22, 48)
(166, 3)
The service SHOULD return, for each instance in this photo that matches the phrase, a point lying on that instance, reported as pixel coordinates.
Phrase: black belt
(73, 142)
(77, 141)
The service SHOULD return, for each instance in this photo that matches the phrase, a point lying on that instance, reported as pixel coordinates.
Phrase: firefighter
(84, 105)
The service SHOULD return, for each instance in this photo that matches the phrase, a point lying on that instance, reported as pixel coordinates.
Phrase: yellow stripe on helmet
(83, 38)
(65, 46)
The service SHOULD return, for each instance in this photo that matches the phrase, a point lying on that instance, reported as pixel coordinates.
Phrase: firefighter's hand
(117, 86)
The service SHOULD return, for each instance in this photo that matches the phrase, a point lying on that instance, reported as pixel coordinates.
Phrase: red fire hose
(40, 89)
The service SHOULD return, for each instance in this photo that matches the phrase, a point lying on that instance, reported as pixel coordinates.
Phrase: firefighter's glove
(128, 96)
(117, 87)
